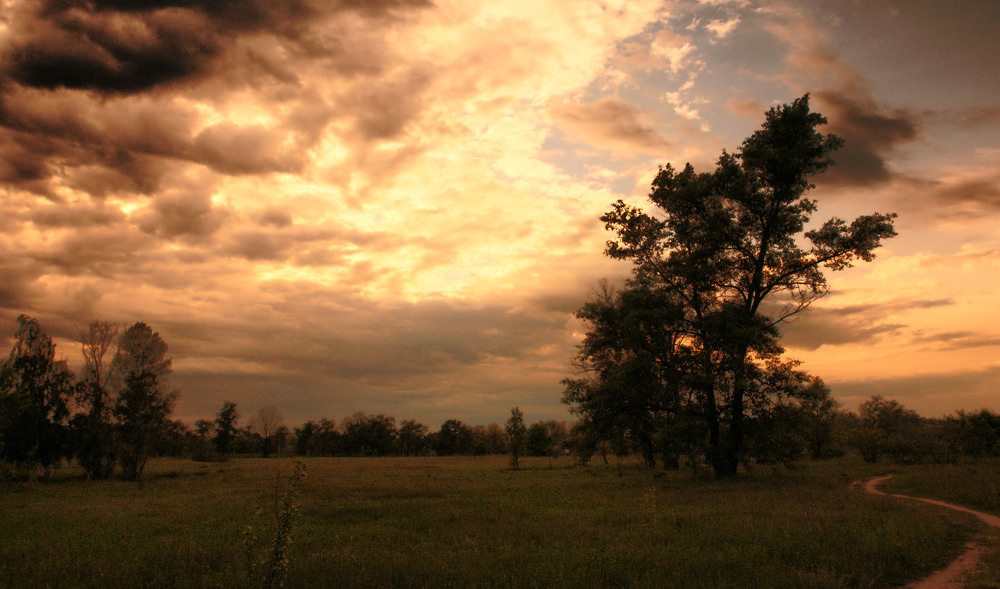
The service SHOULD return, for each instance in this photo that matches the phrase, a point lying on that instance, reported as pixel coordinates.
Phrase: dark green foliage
(457, 522)
(35, 390)
(412, 438)
(488, 440)
(369, 435)
(225, 427)
(718, 267)
(538, 442)
(517, 434)
(884, 428)
(269, 571)
(318, 439)
(973, 434)
(454, 437)
(144, 401)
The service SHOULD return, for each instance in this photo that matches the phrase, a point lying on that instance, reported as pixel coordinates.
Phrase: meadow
(473, 522)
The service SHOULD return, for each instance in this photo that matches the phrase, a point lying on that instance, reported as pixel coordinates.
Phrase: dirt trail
(949, 577)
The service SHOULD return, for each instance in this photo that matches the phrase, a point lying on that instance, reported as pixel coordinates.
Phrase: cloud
(180, 215)
(871, 134)
(854, 324)
(123, 47)
(672, 48)
(249, 149)
(612, 123)
(957, 340)
(932, 395)
(75, 215)
(722, 28)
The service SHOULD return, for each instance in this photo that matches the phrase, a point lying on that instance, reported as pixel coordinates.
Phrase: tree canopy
(719, 263)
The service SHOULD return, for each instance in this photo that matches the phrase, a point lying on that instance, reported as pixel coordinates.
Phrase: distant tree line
(812, 427)
(362, 434)
(116, 415)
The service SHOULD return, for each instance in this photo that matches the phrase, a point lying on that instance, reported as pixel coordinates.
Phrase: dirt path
(949, 577)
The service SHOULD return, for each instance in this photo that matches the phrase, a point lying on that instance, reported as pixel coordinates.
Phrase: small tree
(266, 429)
(268, 570)
(517, 434)
(538, 441)
(92, 427)
(144, 401)
(225, 427)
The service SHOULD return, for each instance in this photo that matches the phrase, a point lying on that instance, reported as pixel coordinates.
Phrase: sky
(392, 206)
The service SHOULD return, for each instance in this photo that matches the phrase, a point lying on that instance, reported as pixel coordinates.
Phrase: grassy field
(471, 522)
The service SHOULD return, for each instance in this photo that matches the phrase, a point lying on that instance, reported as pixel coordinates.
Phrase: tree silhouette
(267, 429)
(225, 427)
(517, 434)
(722, 260)
(35, 390)
(144, 400)
(92, 427)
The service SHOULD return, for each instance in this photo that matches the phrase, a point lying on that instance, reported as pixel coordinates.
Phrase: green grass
(471, 522)
(974, 484)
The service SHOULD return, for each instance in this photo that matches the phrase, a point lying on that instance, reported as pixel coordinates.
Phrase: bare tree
(268, 428)
(94, 433)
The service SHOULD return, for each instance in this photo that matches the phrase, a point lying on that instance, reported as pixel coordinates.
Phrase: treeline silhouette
(116, 415)
(360, 435)
(882, 430)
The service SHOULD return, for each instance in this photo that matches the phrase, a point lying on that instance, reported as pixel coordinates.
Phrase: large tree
(35, 389)
(144, 400)
(724, 258)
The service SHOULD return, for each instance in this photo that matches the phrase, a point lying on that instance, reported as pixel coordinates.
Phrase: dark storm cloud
(124, 46)
(17, 287)
(103, 148)
(871, 134)
(102, 251)
(112, 52)
(87, 88)
(310, 348)
(48, 132)
(181, 215)
(848, 325)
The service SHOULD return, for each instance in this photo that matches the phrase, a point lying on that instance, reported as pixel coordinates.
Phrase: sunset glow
(392, 206)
